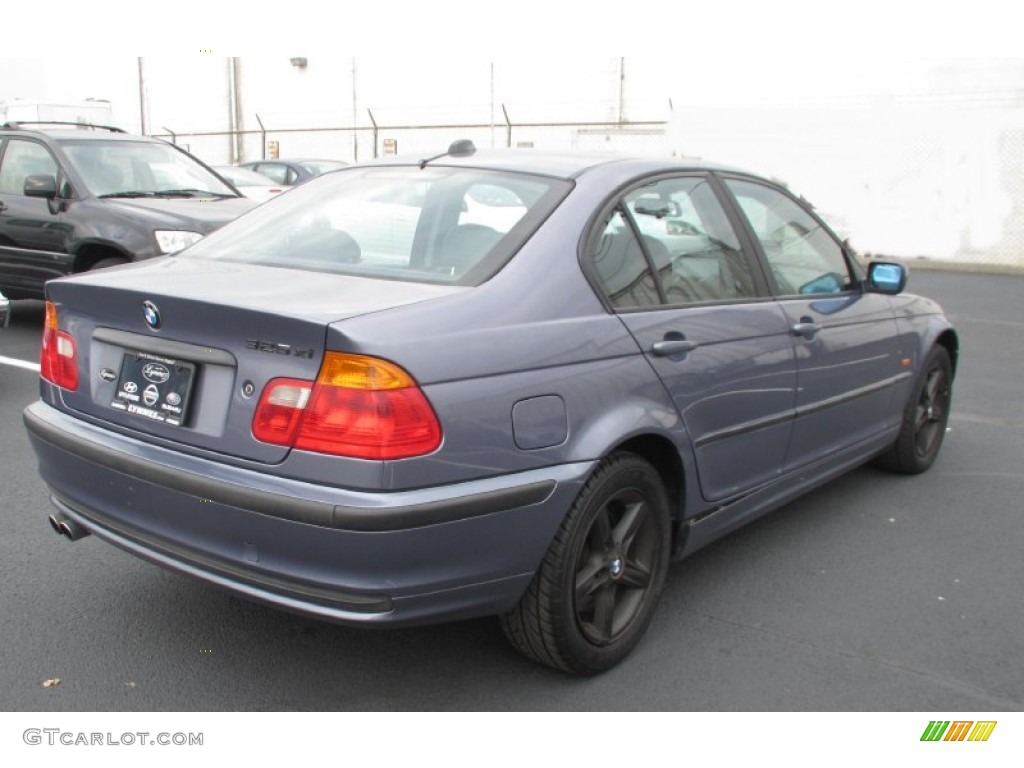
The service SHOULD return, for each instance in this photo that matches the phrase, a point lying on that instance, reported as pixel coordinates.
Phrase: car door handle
(673, 347)
(805, 328)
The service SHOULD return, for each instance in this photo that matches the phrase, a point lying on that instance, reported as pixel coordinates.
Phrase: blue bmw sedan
(483, 383)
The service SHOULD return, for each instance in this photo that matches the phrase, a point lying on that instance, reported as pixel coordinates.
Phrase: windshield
(141, 169)
(438, 224)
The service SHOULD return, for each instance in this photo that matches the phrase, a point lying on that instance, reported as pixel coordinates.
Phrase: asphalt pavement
(874, 593)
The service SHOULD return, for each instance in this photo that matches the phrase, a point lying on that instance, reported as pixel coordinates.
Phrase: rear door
(670, 263)
(847, 353)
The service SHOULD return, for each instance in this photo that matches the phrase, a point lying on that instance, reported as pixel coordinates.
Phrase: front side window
(21, 160)
(437, 224)
(803, 257)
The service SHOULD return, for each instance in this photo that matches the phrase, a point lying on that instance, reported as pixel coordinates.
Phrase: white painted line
(19, 363)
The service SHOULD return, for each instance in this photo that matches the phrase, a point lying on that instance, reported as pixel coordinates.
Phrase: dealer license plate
(154, 387)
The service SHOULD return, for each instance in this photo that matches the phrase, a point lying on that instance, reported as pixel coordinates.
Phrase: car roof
(565, 165)
(86, 133)
(296, 160)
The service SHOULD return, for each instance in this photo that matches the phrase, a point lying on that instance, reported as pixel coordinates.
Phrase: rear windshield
(437, 224)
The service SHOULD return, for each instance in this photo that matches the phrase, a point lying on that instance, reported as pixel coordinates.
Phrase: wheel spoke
(931, 413)
(921, 419)
(589, 579)
(933, 386)
(926, 436)
(628, 525)
(604, 612)
(600, 536)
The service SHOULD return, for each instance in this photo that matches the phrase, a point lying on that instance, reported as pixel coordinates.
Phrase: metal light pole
(142, 100)
(355, 106)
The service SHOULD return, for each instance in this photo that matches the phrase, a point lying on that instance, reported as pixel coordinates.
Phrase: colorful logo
(151, 313)
(958, 730)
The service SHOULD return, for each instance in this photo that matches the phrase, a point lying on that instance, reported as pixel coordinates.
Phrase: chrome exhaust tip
(65, 526)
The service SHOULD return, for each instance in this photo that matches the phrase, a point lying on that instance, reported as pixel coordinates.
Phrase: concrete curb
(924, 264)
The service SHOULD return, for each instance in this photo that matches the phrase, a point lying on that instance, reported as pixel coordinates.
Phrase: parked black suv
(74, 199)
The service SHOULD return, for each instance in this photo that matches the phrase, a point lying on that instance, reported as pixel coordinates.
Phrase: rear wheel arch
(661, 454)
(660, 450)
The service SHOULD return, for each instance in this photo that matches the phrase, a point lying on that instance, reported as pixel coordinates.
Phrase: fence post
(263, 138)
(508, 123)
(375, 133)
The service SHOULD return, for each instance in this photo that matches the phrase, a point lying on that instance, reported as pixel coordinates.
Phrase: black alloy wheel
(925, 417)
(597, 588)
(932, 412)
(613, 569)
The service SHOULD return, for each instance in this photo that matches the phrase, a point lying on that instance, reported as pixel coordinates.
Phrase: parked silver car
(293, 171)
(424, 390)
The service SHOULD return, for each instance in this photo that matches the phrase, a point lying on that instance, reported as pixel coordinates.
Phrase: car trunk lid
(179, 350)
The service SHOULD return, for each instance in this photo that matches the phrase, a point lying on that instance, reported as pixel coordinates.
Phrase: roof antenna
(460, 148)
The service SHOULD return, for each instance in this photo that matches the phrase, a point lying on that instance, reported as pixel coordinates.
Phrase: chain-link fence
(942, 182)
(362, 143)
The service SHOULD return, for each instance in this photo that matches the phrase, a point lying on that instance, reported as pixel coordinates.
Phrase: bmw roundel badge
(151, 313)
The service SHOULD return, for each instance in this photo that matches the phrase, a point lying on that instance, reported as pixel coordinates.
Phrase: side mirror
(886, 277)
(41, 185)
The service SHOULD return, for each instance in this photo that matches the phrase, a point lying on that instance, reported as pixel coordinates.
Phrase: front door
(847, 359)
(33, 240)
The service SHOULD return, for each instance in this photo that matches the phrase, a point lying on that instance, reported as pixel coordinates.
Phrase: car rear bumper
(358, 557)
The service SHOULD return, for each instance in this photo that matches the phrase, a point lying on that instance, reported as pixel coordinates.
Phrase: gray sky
(729, 51)
(544, 82)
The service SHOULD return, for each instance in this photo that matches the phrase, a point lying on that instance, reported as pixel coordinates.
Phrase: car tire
(597, 588)
(924, 418)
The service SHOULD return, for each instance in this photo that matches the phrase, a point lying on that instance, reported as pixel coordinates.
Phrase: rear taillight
(359, 406)
(58, 362)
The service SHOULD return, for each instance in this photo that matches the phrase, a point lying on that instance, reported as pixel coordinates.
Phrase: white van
(88, 111)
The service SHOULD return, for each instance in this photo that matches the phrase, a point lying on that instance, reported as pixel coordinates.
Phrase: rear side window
(670, 243)
(622, 268)
(437, 224)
